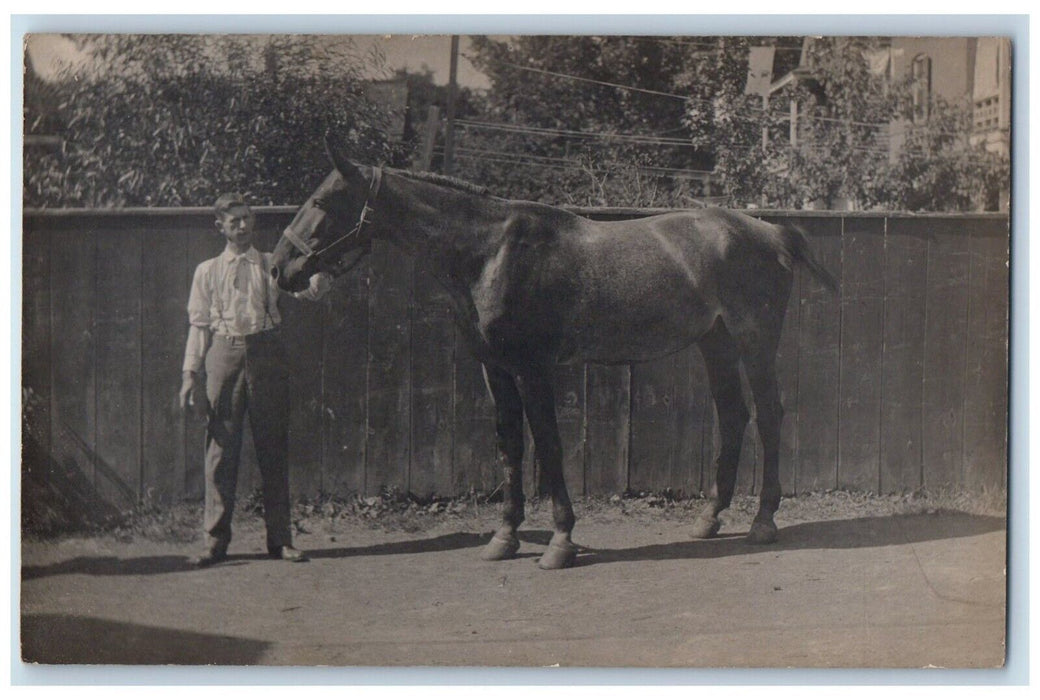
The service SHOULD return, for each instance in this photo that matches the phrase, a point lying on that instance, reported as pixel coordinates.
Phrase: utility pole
(794, 123)
(449, 127)
(433, 123)
(765, 121)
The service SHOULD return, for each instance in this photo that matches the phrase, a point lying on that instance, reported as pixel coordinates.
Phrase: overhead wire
(544, 131)
(571, 163)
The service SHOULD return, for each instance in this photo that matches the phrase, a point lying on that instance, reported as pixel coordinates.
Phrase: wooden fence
(898, 382)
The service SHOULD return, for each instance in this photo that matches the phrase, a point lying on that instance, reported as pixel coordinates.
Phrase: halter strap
(298, 243)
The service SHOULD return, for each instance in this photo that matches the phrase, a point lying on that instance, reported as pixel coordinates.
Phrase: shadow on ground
(73, 639)
(141, 566)
(827, 534)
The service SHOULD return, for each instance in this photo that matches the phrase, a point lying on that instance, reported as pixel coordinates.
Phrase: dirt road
(910, 591)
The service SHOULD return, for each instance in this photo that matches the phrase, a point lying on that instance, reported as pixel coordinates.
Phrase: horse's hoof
(559, 555)
(761, 532)
(705, 528)
(500, 547)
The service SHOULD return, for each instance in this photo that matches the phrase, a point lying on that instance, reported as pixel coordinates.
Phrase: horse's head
(331, 224)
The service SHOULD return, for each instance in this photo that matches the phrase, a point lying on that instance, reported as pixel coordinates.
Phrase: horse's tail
(796, 247)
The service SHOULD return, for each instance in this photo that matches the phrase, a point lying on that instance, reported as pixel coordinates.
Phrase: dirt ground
(853, 582)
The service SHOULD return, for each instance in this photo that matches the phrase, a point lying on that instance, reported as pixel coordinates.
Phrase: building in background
(974, 71)
(991, 95)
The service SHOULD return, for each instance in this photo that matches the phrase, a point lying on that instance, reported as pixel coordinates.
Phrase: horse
(533, 286)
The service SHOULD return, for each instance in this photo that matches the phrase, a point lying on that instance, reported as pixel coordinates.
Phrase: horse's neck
(451, 229)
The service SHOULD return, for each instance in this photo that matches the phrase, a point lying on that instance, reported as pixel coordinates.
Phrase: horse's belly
(636, 340)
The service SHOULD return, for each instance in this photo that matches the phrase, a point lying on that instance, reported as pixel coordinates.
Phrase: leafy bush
(173, 120)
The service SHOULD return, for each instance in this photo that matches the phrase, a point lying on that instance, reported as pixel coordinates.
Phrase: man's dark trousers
(247, 374)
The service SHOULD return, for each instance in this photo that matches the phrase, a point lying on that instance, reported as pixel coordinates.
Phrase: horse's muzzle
(295, 275)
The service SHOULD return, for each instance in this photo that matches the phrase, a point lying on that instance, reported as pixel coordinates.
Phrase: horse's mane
(446, 180)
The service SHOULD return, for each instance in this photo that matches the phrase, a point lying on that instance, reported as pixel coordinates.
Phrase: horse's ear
(336, 151)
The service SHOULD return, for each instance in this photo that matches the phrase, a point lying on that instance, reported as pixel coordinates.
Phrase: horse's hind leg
(509, 429)
(536, 388)
(722, 359)
(761, 369)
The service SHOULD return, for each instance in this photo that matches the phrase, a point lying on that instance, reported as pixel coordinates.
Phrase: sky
(49, 52)
(418, 51)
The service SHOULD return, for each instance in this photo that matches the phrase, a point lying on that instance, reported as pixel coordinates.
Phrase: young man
(234, 363)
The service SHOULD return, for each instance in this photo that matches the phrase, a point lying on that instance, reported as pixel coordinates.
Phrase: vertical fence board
(389, 353)
(118, 368)
(945, 348)
(691, 412)
(710, 439)
(787, 372)
(906, 257)
(345, 383)
(433, 348)
(862, 314)
(655, 434)
(73, 345)
(986, 379)
(570, 415)
(474, 452)
(702, 422)
(819, 360)
(607, 410)
(164, 304)
(302, 333)
(36, 345)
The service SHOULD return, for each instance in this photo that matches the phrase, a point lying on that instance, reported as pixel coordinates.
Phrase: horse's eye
(320, 204)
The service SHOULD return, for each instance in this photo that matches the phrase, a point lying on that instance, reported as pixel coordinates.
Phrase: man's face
(236, 224)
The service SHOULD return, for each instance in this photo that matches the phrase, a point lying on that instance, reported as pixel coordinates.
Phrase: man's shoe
(207, 558)
(287, 553)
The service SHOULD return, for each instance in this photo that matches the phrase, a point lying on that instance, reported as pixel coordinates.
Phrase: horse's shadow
(827, 534)
(854, 533)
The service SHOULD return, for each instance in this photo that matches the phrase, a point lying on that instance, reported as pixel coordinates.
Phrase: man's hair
(227, 201)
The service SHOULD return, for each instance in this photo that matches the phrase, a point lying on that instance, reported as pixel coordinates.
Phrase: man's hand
(320, 284)
(193, 395)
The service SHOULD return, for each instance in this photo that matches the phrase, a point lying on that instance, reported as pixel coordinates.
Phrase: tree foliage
(936, 168)
(172, 120)
(843, 153)
(857, 138)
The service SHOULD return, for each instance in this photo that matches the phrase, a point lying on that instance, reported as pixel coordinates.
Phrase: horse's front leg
(509, 429)
(537, 391)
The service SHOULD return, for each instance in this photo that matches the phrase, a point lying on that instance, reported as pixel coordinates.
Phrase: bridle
(336, 268)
